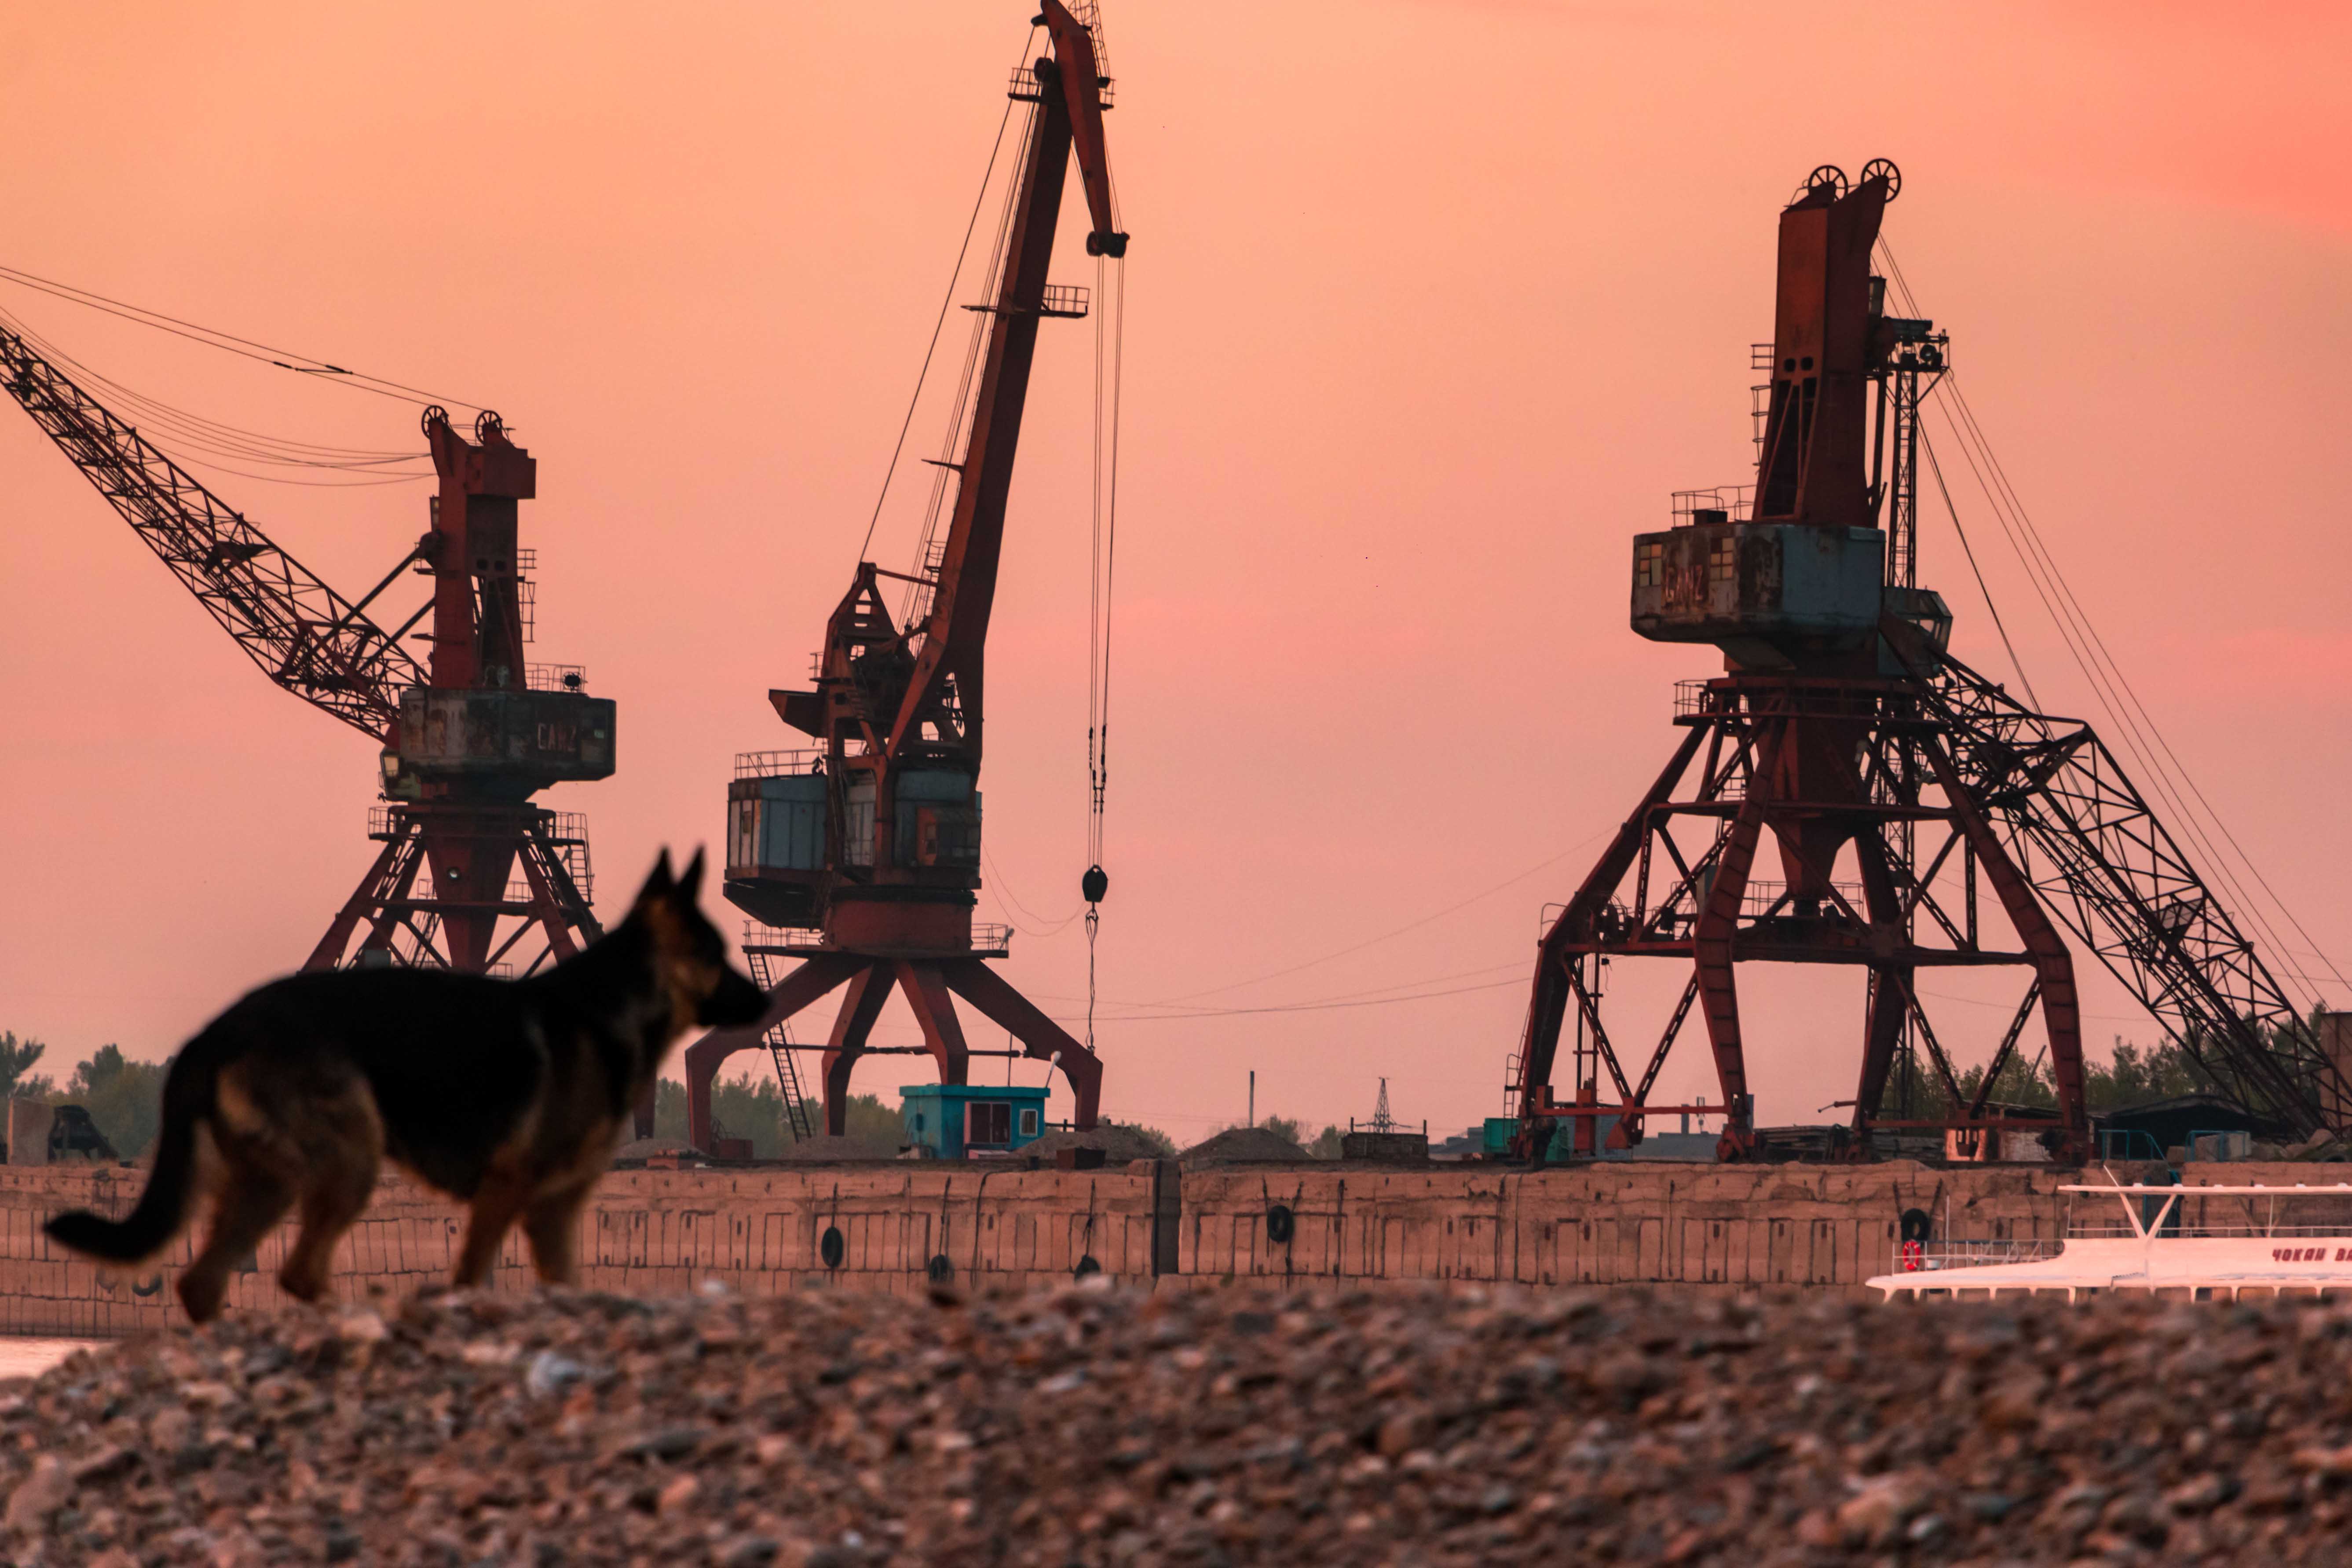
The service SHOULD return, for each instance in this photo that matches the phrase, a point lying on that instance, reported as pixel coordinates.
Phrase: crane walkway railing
(1717, 503)
(778, 765)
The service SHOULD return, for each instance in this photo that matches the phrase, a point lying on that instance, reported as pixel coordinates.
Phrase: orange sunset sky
(1430, 305)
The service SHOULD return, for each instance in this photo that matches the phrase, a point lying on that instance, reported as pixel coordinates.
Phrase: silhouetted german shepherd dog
(511, 1094)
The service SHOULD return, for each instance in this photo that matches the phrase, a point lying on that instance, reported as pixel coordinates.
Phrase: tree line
(124, 1096)
(2132, 1076)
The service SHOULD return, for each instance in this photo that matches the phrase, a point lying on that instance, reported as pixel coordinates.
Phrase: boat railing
(2216, 1211)
(2174, 1227)
(1937, 1255)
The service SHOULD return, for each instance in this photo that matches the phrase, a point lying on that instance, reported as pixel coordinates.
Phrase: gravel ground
(829, 1430)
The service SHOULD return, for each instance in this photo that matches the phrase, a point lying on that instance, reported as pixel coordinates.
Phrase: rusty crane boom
(860, 857)
(471, 875)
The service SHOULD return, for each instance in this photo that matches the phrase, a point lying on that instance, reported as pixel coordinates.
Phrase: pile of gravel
(827, 1430)
(1243, 1146)
(1119, 1144)
(637, 1150)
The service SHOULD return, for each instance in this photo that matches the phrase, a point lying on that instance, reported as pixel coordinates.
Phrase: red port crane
(862, 854)
(464, 742)
(1893, 785)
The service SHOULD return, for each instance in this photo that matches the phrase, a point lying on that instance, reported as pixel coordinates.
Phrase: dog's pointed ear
(660, 882)
(689, 887)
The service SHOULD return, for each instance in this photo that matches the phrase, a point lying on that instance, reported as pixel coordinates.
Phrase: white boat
(2201, 1242)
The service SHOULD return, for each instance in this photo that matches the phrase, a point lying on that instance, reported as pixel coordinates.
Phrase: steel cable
(946, 303)
(2106, 680)
(2134, 726)
(180, 434)
(229, 342)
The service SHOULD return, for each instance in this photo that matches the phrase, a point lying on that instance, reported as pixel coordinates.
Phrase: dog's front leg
(496, 1203)
(552, 1224)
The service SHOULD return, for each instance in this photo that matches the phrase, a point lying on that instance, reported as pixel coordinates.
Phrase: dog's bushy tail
(187, 1097)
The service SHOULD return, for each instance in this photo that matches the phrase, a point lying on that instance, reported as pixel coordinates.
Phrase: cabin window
(1723, 559)
(988, 1121)
(1649, 565)
(743, 843)
(1029, 1121)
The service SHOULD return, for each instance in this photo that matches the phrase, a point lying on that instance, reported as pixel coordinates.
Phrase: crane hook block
(1094, 885)
(1106, 245)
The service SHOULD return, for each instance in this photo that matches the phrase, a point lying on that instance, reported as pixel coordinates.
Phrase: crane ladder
(779, 1041)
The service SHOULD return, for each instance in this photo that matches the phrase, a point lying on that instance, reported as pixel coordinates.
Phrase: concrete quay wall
(887, 1225)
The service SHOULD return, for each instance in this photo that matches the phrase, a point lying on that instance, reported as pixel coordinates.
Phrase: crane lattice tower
(1849, 794)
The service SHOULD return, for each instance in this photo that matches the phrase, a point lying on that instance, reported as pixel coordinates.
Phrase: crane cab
(1759, 591)
(777, 814)
(519, 741)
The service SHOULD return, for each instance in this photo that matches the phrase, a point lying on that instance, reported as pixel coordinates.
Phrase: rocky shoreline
(1093, 1426)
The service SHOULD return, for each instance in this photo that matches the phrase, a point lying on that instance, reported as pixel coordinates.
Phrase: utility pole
(1252, 1098)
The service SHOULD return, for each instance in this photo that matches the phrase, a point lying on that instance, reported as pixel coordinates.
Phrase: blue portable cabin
(956, 1120)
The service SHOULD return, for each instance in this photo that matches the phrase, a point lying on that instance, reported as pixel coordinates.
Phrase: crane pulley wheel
(1884, 169)
(1828, 174)
(488, 424)
(434, 415)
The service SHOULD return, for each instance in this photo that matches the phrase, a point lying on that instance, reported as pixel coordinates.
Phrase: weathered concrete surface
(1726, 1226)
(762, 1231)
(646, 1232)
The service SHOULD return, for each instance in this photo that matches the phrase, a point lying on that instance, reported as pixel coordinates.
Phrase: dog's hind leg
(345, 1151)
(497, 1203)
(252, 1201)
(552, 1224)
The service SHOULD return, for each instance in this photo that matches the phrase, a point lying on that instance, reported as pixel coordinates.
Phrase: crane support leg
(1040, 1036)
(1718, 992)
(2061, 1012)
(373, 889)
(808, 983)
(1548, 1007)
(926, 993)
(1711, 937)
(1889, 984)
(553, 897)
(860, 1006)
